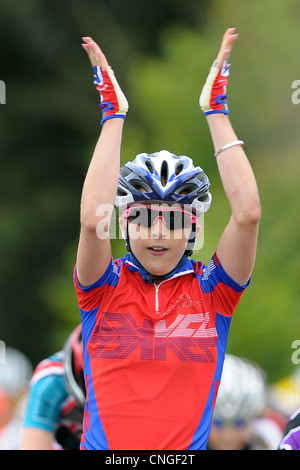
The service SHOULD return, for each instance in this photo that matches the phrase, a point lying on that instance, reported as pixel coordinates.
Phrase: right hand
(113, 102)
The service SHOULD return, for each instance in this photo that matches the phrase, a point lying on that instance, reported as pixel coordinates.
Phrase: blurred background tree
(48, 129)
(161, 53)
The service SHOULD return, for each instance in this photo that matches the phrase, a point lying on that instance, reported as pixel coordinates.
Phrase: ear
(198, 229)
(122, 224)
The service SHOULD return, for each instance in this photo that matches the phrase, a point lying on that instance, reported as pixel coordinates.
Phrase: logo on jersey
(189, 337)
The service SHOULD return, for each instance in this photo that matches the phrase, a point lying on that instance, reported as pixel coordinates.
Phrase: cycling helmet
(242, 393)
(73, 366)
(285, 393)
(15, 373)
(163, 176)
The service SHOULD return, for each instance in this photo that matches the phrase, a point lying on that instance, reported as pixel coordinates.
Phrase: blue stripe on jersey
(91, 408)
(110, 277)
(212, 275)
(200, 438)
(95, 435)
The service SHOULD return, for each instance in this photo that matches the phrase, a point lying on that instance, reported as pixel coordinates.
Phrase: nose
(158, 229)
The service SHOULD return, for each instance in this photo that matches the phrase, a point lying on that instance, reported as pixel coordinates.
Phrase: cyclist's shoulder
(109, 278)
(198, 267)
(204, 270)
(51, 368)
(292, 430)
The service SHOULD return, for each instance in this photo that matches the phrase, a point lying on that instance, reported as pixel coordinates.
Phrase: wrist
(113, 117)
(217, 117)
(114, 122)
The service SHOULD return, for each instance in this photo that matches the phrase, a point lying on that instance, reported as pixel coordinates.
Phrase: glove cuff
(213, 98)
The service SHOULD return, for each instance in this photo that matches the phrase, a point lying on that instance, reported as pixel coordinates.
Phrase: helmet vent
(140, 186)
(124, 171)
(149, 165)
(179, 168)
(187, 189)
(164, 173)
(121, 192)
(201, 177)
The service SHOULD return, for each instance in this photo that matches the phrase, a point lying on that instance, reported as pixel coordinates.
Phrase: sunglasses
(172, 218)
(236, 424)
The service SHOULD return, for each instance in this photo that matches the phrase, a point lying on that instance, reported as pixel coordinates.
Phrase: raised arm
(237, 246)
(100, 185)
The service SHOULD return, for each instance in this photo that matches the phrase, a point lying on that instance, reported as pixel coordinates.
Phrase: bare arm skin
(99, 190)
(237, 246)
(36, 439)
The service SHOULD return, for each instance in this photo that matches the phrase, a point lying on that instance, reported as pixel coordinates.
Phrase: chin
(159, 272)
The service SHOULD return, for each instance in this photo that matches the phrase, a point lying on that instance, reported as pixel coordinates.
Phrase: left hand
(213, 98)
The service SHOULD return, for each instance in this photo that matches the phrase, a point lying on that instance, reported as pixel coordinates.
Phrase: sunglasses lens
(178, 220)
(222, 424)
(140, 216)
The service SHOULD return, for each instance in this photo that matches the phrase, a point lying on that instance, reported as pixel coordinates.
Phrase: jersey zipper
(156, 297)
(157, 286)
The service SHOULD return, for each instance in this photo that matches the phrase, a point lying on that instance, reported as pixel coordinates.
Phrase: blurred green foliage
(161, 54)
(265, 62)
(48, 128)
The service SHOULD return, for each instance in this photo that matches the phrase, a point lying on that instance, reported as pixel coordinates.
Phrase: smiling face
(157, 247)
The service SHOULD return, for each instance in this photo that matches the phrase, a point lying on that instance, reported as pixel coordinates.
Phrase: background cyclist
(54, 412)
(241, 419)
(15, 375)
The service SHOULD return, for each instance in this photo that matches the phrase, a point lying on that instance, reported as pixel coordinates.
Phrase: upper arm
(237, 249)
(93, 257)
(97, 204)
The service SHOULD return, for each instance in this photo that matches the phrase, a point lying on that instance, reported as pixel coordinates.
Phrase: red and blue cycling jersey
(153, 355)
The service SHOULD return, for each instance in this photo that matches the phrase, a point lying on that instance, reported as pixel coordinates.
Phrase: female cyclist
(155, 323)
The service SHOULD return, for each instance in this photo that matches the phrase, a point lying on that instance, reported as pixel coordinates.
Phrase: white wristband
(231, 144)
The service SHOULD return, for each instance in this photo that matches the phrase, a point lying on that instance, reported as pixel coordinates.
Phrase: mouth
(157, 250)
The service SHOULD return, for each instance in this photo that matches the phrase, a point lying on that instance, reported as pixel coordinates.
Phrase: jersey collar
(183, 267)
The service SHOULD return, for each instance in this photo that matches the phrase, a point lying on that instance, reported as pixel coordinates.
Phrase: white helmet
(166, 177)
(242, 393)
(15, 373)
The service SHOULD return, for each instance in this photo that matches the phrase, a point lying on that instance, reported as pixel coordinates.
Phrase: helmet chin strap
(148, 277)
(127, 241)
(191, 242)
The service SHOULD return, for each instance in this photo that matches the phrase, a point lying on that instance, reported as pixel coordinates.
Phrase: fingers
(94, 53)
(227, 43)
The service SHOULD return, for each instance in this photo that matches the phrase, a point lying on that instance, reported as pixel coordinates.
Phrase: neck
(153, 278)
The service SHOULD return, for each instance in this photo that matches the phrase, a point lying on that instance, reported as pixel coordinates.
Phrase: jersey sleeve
(291, 437)
(223, 291)
(45, 402)
(90, 297)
